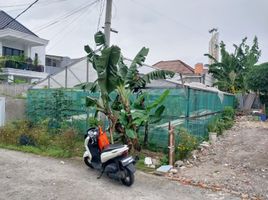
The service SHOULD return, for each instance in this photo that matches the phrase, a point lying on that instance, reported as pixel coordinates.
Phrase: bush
(228, 113)
(187, 143)
(66, 140)
(20, 134)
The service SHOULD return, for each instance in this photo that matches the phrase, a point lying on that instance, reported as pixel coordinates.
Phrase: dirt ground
(25, 177)
(238, 163)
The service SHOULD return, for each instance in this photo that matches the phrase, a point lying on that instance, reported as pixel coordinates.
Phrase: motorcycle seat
(112, 147)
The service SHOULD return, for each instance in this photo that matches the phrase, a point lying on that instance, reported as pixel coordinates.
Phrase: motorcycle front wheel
(129, 178)
(87, 162)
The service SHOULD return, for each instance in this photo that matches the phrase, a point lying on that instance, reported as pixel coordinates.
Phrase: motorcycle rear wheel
(129, 178)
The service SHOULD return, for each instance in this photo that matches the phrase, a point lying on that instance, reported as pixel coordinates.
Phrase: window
(51, 62)
(12, 52)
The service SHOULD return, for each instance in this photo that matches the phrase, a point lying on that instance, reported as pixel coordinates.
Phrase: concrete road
(25, 176)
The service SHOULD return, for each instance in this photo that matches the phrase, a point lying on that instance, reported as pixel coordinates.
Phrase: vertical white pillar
(1, 48)
(27, 51)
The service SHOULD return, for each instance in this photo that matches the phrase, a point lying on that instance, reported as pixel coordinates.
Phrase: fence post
(187, 107)
(171, 145)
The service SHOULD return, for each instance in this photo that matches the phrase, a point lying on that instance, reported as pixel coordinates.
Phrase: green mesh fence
(189, 108)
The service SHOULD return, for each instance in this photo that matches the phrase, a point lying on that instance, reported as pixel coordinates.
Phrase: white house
(16, 40)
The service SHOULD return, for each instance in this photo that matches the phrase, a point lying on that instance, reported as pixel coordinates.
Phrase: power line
(21, 13)
(102, 3)
(27, 4)
(60, 32)
(64, 16)
(15, 5)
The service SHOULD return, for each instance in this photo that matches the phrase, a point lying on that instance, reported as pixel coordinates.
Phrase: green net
(189, 108)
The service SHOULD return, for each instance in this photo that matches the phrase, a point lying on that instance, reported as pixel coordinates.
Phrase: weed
(187, 143)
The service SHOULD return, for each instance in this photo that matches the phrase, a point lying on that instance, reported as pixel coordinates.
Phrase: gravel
(25, 176)
(237, 163)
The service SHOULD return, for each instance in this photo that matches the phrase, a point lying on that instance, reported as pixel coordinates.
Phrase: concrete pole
(107, 25)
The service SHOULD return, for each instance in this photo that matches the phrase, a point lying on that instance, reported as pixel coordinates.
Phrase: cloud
(171, 29)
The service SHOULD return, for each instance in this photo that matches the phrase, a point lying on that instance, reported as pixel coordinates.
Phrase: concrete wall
(13, 90)
(15, 109)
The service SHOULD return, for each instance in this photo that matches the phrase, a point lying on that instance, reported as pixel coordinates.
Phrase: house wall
(12, 44)
(41, 51)
(28, 51)
(209, 80)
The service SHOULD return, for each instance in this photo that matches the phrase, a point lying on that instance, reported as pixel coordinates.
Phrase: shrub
(228, 113)
(64, 144)
(66, 140)
(187, 143)
(212, 126)
(94, 122)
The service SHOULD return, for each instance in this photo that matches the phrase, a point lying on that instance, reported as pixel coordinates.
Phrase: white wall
(41, 51)
(29, 51)
(13, 44)
(209, 80)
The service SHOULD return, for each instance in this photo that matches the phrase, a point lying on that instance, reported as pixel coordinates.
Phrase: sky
(171, 29)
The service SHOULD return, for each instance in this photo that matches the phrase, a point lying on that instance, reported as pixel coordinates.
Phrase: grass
(38, 140)
(51, 152)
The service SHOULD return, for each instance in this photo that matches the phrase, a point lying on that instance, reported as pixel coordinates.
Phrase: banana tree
(115, 76)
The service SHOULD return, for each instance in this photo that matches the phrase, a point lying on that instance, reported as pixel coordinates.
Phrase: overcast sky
(171, 29)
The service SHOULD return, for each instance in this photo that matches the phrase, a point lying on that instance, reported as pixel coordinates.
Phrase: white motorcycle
(112, 160)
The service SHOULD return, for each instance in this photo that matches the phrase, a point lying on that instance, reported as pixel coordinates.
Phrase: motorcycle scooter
(113, 160)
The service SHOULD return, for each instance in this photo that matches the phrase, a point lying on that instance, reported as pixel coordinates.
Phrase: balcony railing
(8, 63)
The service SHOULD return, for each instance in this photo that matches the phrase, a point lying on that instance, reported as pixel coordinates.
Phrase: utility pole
(107, 25)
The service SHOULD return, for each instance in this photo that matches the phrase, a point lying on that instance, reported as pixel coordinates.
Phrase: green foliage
(66, 140)
(223, 122)
(94, 122)
(115, 76)
(230, 72)
(212, 126)
(65, 144)
(187, 143)
(257, 78)
(164, 160)
(228, 113)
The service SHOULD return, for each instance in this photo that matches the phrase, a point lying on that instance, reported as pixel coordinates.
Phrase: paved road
(26, 176)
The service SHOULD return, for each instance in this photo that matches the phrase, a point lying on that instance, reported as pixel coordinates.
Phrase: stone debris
(148, 161)
(235, 164)
(164, 168)
(178, 163)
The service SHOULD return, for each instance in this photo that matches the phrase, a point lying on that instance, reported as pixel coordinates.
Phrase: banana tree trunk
(145, 141)
(113, 121)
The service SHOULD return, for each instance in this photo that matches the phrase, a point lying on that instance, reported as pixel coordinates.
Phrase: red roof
(176, 66)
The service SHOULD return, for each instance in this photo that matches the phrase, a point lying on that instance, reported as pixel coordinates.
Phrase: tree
(114, 76)
(257, 78)
(231, 70)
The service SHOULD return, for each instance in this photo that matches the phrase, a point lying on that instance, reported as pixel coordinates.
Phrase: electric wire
(60, 33)
(63, 17)
(102, 3)
(21, 13)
